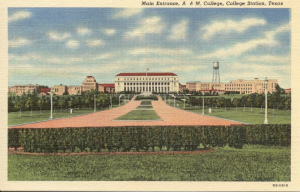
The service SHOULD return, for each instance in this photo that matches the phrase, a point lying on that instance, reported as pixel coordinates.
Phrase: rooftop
(147, 74)
(107, 85)
(29, 85)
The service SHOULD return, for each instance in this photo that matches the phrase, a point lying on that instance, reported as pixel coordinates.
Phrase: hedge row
(146, 138)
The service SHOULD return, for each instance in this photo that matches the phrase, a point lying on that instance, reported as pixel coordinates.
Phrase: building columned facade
(147, 82)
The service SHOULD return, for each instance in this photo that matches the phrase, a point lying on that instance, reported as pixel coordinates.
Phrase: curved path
(169, 116)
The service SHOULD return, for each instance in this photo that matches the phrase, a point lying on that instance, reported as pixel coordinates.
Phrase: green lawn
(246, 116)
(144, 107)
(257, 115)
(146, 102)
(140, 115)
(225, 164)
(14, 117)
(178, 104)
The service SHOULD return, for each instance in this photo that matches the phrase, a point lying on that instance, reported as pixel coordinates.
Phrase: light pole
(174, 101)
(94, 103)
(183, 103)
(51, 114)
(202, 104)
(120, 100)
(266, 101)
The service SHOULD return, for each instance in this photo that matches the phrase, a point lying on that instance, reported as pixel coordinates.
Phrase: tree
(41, 103)
(236, 102)
(77, 101)
(288, 103)
(259, 100)
(20, 103)
(31, 102)
(220, 101)
(71, 102)
(61, 102)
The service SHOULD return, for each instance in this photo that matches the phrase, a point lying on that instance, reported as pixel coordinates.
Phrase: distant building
(287, 91)
(106, 87)
(74, 90)
(45, 91)
(147, 82)
(182, 87)
(240, 85)
(23, 89)
(251, 86)
(205, 87)
(89, 84)
(60, 89)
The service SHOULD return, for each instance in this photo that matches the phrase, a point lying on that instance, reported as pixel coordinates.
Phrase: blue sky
(50, 46)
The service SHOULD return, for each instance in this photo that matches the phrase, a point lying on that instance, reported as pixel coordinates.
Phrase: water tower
(216, 74)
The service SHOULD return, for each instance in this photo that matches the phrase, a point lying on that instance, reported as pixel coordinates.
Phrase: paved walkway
(168, 114)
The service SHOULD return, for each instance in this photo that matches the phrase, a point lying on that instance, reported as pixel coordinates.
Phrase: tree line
(253, 100)
(31, 101)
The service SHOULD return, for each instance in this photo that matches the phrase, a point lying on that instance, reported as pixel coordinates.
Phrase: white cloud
(95, 43)
(179, 31)
(259, 70)
(159, 51)
(49, 58)
(126, 13)
(84, 31)
(240, 48)
(227, 26)
(103, 56)
(151, 25)
(65, 60)
(109, 32)
(20, 42)
(58, 36)
(72, 44)
(19, 16)
(37, 72)
(280, 29)
(25, 57)
(183, 68)
(269, 59)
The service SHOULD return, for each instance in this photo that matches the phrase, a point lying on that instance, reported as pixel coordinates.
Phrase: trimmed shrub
(143, 138)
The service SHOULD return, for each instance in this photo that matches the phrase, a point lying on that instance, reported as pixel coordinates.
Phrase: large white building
(147, 82)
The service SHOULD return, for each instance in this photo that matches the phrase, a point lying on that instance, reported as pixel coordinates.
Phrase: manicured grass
(178, 104)
(225, 164)
(14, 117)
(257, 115)
(140, 115)
(146, 102)
(151, 97)
(144, 107)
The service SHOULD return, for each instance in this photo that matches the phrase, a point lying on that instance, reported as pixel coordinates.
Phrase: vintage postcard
(149, 96)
